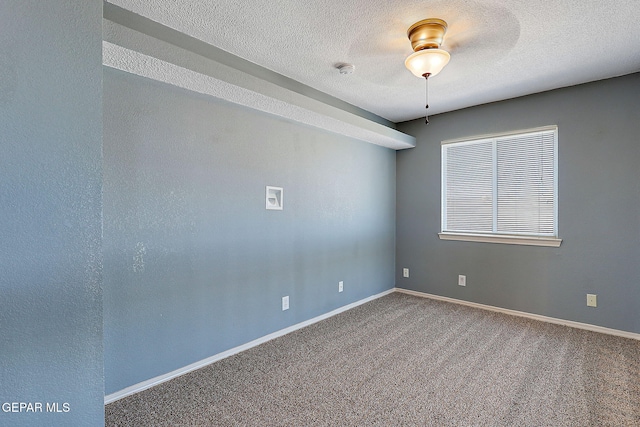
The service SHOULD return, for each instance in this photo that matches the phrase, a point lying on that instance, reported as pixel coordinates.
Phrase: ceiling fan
(428, 59)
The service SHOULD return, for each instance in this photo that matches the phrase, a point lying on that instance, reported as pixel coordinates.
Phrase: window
(502, 188)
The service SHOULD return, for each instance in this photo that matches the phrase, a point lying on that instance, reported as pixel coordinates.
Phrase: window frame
(496, 237)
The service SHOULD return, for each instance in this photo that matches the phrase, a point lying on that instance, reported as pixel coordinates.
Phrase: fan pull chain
(426, 78)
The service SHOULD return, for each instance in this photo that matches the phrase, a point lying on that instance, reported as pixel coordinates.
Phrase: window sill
(508, 240)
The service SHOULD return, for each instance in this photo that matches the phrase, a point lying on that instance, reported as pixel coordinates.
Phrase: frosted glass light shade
(427, 61)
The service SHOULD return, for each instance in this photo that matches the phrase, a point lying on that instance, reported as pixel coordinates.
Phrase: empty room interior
(320, 213)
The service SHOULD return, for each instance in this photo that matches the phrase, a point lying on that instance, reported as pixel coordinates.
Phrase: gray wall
(50, 210)
(599, 209)
(194, 264)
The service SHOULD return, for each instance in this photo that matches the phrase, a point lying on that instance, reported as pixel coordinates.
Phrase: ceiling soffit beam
(225, 76)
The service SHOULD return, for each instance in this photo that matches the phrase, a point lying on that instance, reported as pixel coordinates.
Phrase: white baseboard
(539, 317)
(136, 388)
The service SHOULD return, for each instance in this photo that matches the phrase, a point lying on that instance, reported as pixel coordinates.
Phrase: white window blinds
(501, 185)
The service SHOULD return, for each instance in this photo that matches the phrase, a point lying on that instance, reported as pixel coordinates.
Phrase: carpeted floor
(407, 361)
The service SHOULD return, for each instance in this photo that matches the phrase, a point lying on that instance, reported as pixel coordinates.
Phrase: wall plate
(274, 198)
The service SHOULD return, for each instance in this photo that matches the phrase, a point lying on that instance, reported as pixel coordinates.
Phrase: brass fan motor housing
(427, 34)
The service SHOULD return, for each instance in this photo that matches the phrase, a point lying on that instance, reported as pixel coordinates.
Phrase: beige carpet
(404, 360)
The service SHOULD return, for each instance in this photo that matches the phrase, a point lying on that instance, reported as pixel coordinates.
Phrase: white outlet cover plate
(462, 280)
(340, 286)
(592, 300)
(285, 303)
(274, 198)
(405, 272)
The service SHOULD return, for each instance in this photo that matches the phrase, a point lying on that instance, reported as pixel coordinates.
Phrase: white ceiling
(499, 49)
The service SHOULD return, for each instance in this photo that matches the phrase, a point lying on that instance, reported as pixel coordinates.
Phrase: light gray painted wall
(50, 211)
(599, 209)
(194, 264)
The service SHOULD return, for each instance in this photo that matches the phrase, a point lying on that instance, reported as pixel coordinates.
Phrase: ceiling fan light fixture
(426, 36)
(427, 61)
(427, 58)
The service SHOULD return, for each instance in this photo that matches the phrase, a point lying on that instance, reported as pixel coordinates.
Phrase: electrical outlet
(285, 303)
(462, 280)
(340, 286)
(405, 272)
(592, 300)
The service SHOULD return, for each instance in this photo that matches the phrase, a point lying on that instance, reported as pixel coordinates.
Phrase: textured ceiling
(499, 49)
